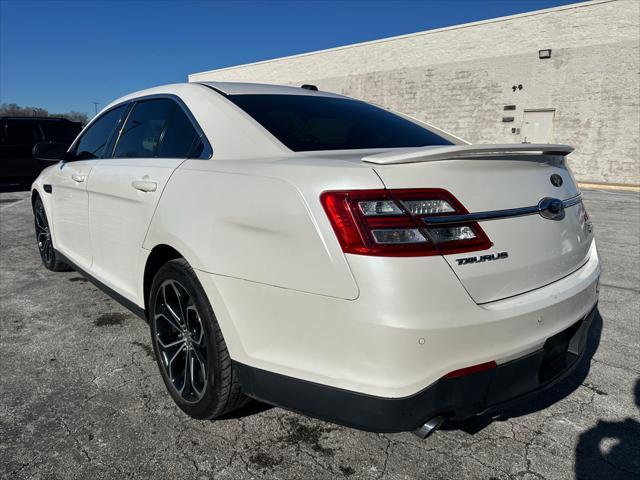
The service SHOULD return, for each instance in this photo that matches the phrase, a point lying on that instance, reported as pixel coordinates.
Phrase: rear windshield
(60, 132)
(308, 123)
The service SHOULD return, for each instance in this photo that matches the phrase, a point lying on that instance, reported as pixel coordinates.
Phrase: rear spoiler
(449, 152)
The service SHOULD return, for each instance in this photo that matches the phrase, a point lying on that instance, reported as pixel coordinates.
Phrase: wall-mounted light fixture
(543, 54)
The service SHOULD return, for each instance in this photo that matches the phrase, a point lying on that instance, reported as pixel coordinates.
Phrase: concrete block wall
(460, 78)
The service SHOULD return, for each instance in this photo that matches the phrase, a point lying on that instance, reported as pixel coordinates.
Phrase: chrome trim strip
(570, 202)
(495, 214)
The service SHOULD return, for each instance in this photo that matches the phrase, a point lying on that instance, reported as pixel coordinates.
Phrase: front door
(69, 202)
(69, 198)
(124, 190)
(537, 126)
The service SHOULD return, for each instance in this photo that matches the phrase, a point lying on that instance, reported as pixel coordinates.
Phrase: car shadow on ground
(610, 449)
(253, 407)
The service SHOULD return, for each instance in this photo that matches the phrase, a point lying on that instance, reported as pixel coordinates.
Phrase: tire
(43, 238)
(192, 355)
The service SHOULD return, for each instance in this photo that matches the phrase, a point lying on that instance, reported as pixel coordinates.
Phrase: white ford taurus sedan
(323, 254)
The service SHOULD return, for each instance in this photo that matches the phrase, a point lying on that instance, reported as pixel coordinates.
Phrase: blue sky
(62, 55)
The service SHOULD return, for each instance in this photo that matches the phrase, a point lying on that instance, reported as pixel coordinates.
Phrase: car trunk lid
(524, 198)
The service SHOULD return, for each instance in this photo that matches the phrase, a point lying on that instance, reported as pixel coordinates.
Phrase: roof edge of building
(409, 35)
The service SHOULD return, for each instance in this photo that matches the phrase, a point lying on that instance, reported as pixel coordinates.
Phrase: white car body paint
(250, 222)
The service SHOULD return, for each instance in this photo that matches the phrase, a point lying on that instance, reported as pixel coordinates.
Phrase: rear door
(528, 250)
(69, 199)
(158, 135)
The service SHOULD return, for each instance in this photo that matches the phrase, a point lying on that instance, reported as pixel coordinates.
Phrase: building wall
(460, 78)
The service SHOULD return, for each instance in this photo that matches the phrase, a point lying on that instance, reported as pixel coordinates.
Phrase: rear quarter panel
(259, 221)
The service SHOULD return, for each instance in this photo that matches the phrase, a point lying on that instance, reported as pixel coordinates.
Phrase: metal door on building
(537, 126)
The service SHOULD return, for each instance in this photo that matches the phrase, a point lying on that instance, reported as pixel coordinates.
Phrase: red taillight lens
(390, 222)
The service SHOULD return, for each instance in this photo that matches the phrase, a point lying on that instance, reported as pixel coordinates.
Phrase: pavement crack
(386, 457)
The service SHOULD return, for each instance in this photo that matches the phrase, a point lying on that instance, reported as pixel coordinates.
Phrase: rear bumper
(458, 398)
(412, 324)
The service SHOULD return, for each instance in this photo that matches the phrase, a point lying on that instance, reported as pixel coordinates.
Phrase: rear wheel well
(160, 254)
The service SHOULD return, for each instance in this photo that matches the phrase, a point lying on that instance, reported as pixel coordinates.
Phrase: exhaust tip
(429, 426)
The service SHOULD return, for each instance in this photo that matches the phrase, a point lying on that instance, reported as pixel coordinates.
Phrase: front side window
(309, 123)
(140, 135)
(94, 140)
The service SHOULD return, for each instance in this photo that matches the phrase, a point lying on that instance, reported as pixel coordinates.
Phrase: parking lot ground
(81, 397)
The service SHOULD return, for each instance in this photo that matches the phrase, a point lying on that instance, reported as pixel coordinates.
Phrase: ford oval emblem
(556, 180)
(551, 208)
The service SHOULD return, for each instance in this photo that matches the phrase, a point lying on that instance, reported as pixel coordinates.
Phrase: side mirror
(50, 151)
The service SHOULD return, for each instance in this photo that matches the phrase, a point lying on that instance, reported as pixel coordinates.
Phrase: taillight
(391, 222)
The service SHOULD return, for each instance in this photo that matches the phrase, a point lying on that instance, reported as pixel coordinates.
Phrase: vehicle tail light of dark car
(387, 222)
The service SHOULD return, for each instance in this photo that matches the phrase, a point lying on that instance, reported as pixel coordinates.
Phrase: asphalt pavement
(81, 397)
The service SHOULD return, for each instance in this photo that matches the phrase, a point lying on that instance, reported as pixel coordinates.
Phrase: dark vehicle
(18, 135)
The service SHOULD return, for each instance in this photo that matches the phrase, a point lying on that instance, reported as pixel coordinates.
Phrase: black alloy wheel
(180, 341)
(189, 346)
(43, 237)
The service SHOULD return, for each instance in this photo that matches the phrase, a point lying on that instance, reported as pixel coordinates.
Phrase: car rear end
(476, 271)
(483, 268)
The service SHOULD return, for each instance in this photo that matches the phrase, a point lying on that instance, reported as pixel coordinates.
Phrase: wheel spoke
(184, 391)
(170, 345)
(199, 369)
(47, 249)
(170, 362)
(194, 326)
(40, 221)
(181, 309)
(171, 310)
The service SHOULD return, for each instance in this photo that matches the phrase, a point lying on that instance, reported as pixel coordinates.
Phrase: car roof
(242, 88)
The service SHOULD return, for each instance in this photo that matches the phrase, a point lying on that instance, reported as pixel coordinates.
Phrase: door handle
(78, 178)
(144, 185)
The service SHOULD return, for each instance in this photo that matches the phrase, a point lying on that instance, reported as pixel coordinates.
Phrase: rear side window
(202, 149)
(308, 123)
(140, 135)
(93, 142)
(61, 132)
(21, 133)
(179, 137)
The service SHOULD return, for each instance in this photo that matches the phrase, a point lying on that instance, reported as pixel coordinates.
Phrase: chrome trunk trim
(498, 214)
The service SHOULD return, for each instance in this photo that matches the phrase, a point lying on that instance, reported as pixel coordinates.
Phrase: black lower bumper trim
(457, 398)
